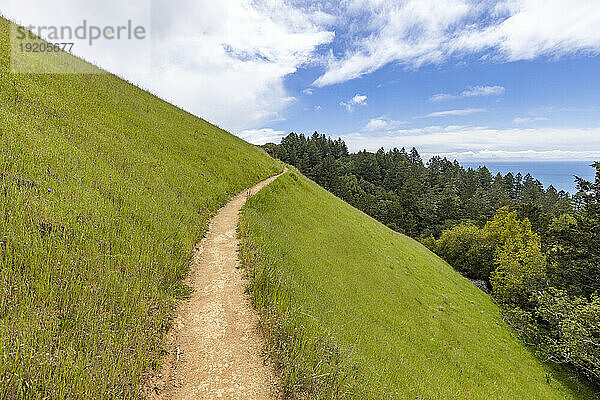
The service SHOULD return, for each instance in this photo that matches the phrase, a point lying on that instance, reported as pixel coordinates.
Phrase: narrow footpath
(215, 346)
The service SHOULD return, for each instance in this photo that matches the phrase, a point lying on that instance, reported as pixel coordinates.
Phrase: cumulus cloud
(262, 136)
(227, 60)
(223, 60)
(382, 124)
(308, 92)
(124, 57)
(448, 113)
(483, 143)
(417, 32)
(357, 100)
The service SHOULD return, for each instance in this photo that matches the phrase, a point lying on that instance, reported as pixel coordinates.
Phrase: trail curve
(215, 346)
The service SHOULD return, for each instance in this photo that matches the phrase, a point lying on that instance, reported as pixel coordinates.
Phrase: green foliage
(397, 189)
(506, 253)
(572, 330)
(104, 191)
(573, 243)
(562, 328)
(469, 249)
(351, 309)
(518, 256)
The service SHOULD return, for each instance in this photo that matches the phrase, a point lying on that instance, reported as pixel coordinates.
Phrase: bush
(520, 262)
(573, 330)
(563, 329)
(469, 249)
(505, 253)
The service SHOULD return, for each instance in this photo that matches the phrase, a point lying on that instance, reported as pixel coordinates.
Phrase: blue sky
(541, 94)
(472, 80)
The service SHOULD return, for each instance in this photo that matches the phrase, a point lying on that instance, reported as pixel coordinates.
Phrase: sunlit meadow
(104, 190)
(352, 309)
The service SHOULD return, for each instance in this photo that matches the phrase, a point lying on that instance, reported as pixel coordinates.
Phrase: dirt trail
(216, 348)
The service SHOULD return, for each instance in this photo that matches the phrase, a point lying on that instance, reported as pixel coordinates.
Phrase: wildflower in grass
(36, 290)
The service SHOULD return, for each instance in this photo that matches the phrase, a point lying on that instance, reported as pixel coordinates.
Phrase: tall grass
(351, 309)
(104, 190)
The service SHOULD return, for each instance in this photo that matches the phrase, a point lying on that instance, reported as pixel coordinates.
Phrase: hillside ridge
(352, 309)
(104, 192)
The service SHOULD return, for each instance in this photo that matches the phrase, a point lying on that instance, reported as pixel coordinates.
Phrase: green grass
(104, 190)
(352, 309)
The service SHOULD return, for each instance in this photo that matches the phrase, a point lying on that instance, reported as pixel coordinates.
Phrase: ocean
(559, 174)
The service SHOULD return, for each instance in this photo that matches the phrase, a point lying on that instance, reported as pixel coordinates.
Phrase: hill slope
(352, 309)
(104, 190)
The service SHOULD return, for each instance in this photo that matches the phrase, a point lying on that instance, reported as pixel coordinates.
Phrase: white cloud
(472, 91)
(223, 60)
(394, 32)
(126, 57)
(382, 124)
(417, 32)
(227, 60)
(262, 136)
(318, 108)
(448, 113)
(308, 92)
(520, 155)
(357, 100)
(482, 143)
(441, 97)
(524, 120)
(476, 91)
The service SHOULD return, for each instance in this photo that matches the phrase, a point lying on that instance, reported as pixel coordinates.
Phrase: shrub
(519, 259)
(573, 330)
(468, 249)
(563, 329)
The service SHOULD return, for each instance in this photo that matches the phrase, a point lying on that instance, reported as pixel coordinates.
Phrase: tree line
(397, 188)
(537, 249)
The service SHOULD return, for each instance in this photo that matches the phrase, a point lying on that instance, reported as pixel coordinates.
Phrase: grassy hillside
(104, 190)
(352, 309)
